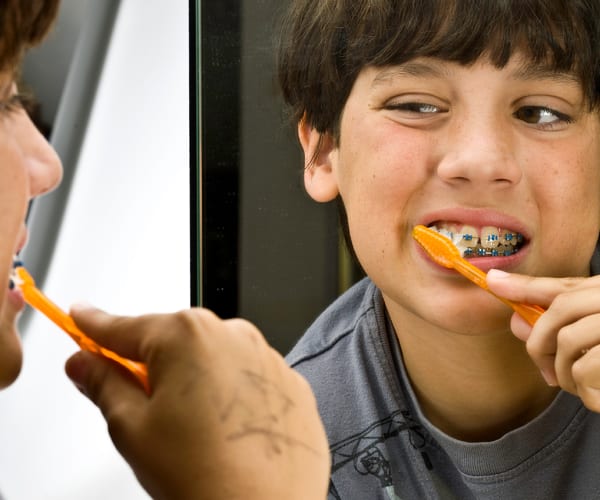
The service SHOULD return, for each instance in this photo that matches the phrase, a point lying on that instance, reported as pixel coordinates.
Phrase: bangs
(344, 36)
(23, 24)
(548, 33)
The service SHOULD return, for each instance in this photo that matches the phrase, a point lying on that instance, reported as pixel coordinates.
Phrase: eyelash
(413, 107)
(16, 102)
(422, 108)
(561, 118)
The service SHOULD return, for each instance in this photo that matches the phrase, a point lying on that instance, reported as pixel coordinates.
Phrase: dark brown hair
(23, 24)
(324, 44)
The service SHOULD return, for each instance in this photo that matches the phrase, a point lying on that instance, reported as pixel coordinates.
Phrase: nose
(43, 164)
(479, 155)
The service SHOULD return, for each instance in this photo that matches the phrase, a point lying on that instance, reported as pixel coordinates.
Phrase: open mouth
(486, 241)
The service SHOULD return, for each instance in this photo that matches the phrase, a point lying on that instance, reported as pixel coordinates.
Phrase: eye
(414, 107)
(541, 116)
(17, 102)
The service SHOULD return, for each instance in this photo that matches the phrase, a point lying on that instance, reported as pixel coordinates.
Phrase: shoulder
(338, 322)
(341, 354)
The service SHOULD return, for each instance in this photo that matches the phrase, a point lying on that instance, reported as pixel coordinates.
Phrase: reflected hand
(227, 418)
(565, 341)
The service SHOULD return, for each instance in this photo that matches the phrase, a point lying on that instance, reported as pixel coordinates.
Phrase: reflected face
(29, 167)
(471, 149)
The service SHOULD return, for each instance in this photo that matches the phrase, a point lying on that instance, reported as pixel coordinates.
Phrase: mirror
(118, 238)
(268, 252)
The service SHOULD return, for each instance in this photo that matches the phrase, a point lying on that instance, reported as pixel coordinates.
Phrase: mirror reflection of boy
(227, 418)
(480, 118)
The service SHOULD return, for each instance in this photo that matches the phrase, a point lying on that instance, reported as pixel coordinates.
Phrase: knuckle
(565, 340)
(561, 301)
(116, 423)
(188, 324)
(579, 373)
(247, 329)
(534, 349)
(95, 383)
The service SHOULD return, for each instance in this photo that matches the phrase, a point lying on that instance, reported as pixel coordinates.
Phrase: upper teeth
(488, 240)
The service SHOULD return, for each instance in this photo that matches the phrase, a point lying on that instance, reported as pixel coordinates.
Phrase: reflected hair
(23, 24)
(324, 44)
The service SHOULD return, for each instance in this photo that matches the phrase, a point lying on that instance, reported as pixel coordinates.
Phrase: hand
(226, 418)
(565, 342)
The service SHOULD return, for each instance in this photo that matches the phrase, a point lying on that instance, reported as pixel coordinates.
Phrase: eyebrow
(411, 68)
(536, 72)
(525, 72)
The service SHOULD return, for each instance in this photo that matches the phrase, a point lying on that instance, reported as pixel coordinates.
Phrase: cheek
(377, 194)
(383, 167)
(570, 216)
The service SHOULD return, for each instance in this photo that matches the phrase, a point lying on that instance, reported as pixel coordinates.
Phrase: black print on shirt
(364, 451)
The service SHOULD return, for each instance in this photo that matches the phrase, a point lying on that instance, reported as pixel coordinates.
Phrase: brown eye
(539, 115)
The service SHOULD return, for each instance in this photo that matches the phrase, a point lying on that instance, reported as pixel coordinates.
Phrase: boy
(479, 118)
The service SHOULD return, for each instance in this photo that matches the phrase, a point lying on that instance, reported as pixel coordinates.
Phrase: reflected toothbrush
(36, 299)
(443, 252)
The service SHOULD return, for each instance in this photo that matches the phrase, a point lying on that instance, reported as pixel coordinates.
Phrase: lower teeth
(499, 251)
(509, 244)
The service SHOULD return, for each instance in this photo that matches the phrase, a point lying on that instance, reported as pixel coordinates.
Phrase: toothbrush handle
(36, 299)
(528, 312)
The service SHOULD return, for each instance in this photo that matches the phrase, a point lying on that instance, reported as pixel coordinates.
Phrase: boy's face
(434, 142)
(28, 168)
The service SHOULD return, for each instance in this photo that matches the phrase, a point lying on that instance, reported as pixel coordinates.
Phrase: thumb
(111, 340)
(109, 331)
(529, 289)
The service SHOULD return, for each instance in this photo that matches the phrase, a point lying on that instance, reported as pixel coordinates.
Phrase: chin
(11, 355)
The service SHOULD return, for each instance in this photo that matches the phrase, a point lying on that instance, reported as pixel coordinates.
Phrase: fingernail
(549, 378)
(81, 307)
(496, 273)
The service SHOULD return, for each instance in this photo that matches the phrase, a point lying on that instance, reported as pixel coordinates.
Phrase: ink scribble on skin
(264, 419)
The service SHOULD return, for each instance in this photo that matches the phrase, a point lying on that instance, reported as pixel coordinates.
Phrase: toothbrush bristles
(13, 279)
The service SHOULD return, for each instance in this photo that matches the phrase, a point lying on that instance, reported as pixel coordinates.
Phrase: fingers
(586, 375)
(565, 341)
(121, 334)
(574, 342)
(520, 328)
(141, 338)
(115, 392)
(570, 325)
(530, 289)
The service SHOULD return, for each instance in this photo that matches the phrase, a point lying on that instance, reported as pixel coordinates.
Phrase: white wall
(123, 246)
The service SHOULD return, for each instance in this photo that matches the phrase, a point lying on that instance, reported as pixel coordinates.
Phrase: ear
(320, 157)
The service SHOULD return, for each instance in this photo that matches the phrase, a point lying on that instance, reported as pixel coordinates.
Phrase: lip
(15, 298)
(481, 218)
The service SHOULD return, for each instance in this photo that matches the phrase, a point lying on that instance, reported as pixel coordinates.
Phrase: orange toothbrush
(36, 299)
(443, 252)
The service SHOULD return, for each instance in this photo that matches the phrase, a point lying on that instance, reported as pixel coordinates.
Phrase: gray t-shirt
(382, 447)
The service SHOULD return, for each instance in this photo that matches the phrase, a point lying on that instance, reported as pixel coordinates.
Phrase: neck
(473, 387)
